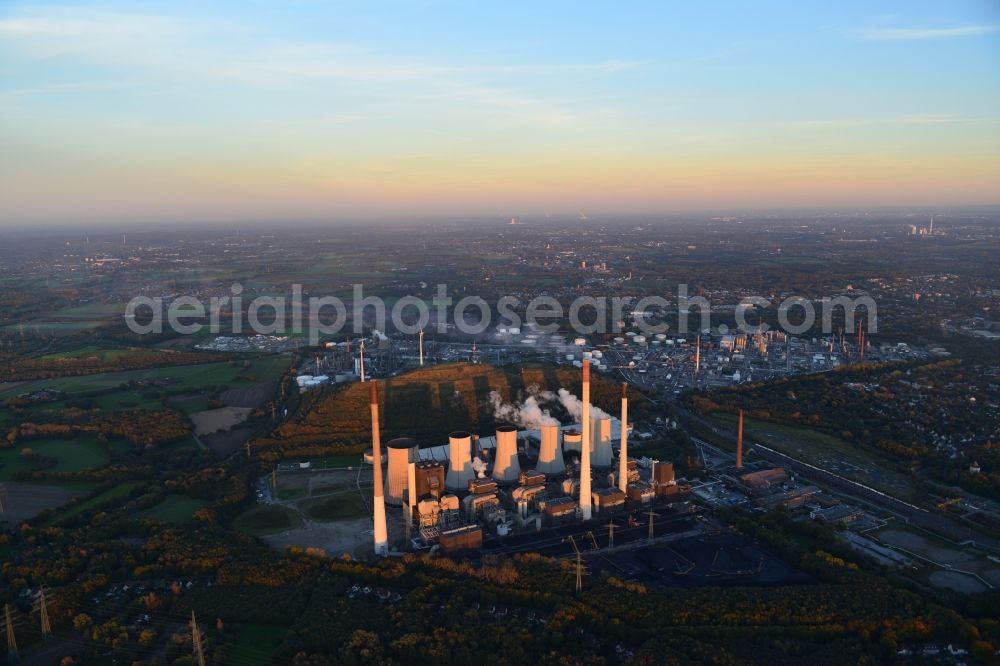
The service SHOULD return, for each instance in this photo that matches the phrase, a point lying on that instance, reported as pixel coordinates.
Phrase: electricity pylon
(579, 562)
(651, 514)
(11, 640)
(196, 642)
(43, 613)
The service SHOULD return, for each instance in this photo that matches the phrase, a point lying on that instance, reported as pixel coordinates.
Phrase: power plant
(520, 479)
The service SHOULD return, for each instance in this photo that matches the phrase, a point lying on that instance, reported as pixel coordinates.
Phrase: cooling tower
(550, 457)
(505, 464)
(623, 453)
(381, 534)
(572, 440)
(585, 497)
(601, 453)
(459, 461)
(402, 451)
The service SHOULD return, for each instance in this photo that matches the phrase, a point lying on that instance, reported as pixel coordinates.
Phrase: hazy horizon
(182, 114)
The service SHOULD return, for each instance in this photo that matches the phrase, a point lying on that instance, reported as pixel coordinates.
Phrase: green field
(828, 452)
(255, 644)
(120, 491)
(90, 351)
(173, 379)
(263, 519)
(174, 509)
(72, 455)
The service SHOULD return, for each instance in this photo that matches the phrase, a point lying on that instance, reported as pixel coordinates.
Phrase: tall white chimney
(505, 464)
(623, 454)
(459, 461)
(550, 456)
(378, 505)
(585, 497)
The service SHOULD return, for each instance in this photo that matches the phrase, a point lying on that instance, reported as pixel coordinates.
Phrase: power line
(11, 640)
(196, 641)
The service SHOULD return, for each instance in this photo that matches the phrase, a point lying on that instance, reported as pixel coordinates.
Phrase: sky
(195, 111)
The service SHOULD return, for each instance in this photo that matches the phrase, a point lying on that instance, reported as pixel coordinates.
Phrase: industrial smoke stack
(601, 452)
(739, 443)
(585, 497)
(623, 453)
(421, 348)
(505, 464)
(459, 461)
(362, 365)
(378, 505)
(697, 353)
(550, 457)
(402, 451)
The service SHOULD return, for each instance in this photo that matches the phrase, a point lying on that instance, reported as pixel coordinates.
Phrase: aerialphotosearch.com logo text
(318, 316)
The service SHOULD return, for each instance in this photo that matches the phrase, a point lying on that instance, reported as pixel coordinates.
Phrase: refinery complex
(473, 488)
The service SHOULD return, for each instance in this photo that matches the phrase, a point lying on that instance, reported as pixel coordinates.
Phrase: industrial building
(454, 495)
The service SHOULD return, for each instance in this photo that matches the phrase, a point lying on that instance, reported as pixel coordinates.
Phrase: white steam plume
(528, 415)
(574, 406)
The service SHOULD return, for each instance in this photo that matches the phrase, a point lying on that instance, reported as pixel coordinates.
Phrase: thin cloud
(184, 51)
(898, 34)
(911, 119)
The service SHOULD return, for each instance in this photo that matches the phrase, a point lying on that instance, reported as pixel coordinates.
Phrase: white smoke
(574, 406)
(479, 467)
(529, 414)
